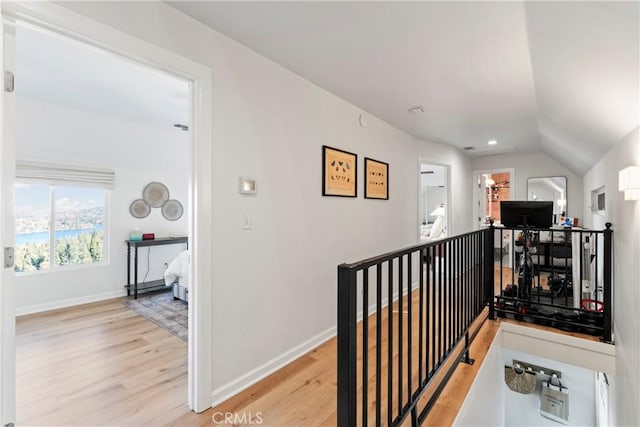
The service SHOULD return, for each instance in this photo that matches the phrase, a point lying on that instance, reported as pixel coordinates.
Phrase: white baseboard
(38, 308)
(234, 387)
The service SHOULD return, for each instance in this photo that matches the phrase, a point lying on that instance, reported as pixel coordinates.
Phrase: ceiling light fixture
(492, 142)
(416, 109)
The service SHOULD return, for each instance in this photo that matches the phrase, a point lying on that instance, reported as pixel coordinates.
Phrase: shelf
(145, 286)
(156, 242)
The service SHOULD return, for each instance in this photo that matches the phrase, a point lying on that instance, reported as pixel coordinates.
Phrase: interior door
(7, 228)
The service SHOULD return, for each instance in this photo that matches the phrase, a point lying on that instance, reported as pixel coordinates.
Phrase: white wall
(535, 165)
(138, 154)
(274, 287)
(522, 409)
(625, 217)
(490, 402)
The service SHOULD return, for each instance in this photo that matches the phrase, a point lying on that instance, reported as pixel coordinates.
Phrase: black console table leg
(128, 270)
(135, 273)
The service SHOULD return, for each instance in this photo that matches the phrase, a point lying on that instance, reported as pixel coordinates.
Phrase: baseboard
(234, 387)
(250, 378)
(38, 308)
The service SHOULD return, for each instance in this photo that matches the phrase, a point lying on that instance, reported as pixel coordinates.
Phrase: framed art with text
(339, 172)
(376, 181)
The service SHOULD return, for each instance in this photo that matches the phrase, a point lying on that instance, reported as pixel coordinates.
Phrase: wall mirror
(549, 189)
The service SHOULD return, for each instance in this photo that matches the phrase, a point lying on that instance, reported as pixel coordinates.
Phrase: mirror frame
(556, 209)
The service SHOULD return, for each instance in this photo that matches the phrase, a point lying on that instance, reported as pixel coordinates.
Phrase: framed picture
(376, 181)
(339, 172)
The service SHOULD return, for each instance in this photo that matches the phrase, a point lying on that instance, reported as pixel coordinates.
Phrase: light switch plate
(246, 222)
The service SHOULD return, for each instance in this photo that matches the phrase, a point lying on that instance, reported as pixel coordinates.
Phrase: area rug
(164, 311)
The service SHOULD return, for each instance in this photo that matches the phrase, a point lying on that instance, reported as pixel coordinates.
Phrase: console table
(135, 244)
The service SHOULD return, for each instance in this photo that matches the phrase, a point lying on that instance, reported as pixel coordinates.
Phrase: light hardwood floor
(102, 364)
(98, 364)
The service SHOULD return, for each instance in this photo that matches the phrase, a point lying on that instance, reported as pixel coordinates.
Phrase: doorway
(433, 201)
(78, 110)
(76, 27)
(491, 187)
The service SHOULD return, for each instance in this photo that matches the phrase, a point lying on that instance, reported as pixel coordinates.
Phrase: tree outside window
(58, 226)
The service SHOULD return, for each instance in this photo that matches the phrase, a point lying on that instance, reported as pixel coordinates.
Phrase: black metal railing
(416, 307)
(556, 277)
(403, 315)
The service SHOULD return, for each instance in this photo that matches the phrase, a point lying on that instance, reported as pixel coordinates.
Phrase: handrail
(564, 283)
(452, 281)
(368, 262)
(425, 298)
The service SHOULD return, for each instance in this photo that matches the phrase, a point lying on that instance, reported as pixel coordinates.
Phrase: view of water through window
(77, 226)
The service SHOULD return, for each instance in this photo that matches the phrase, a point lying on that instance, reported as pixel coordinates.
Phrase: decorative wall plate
(139, 209)
(155, 194)
(172, 210)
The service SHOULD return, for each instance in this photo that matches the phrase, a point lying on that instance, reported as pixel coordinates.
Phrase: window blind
(65, 174)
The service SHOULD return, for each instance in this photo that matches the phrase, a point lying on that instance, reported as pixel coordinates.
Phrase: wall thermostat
(247, 185)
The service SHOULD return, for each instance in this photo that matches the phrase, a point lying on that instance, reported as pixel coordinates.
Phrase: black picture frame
(339, 172)
(376, 179)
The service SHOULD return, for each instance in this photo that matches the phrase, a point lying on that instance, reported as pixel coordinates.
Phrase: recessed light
(492, 142)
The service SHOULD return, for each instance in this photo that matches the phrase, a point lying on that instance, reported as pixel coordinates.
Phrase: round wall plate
(139, 209)
(172, 210)
(363, 120)
(155, 194)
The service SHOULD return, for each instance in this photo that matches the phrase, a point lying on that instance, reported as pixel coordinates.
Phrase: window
(58, 226)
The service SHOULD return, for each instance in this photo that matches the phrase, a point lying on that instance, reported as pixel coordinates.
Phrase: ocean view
(43, 236)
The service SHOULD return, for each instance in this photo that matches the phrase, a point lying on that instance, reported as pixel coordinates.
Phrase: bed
(177, 276)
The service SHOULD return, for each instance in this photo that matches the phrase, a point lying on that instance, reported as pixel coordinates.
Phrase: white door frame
(60, 20)
(7, 230)
(448, 208)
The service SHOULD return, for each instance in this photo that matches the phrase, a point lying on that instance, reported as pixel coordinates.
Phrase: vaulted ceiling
(561, 77)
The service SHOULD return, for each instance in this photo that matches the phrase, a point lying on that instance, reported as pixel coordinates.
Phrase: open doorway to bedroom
(103, 156)
(433, 201)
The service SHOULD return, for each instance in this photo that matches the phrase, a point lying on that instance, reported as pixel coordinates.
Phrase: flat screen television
(515, 213)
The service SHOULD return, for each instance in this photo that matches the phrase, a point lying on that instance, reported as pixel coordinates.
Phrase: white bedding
(178, 270)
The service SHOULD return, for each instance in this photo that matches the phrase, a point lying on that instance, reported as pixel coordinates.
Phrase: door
(7, 230)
